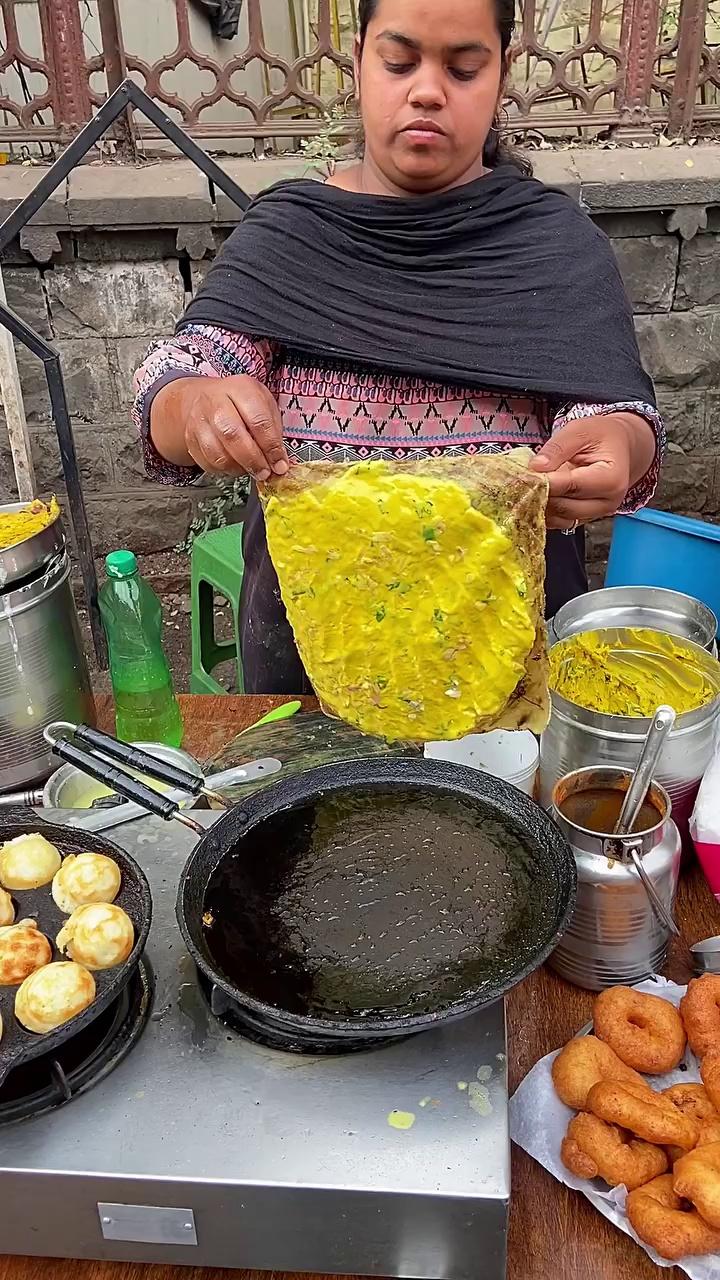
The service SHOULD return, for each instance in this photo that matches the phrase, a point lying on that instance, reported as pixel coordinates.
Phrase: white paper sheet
(538, 1121)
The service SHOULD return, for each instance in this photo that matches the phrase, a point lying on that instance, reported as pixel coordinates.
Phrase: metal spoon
(662, 724)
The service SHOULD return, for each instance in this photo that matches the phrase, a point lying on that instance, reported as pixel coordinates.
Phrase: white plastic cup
(512, 756)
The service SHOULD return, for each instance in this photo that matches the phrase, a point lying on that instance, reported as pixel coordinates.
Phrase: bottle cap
(121, 564)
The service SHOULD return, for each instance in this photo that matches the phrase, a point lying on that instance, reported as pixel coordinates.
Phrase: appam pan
(18, 1045)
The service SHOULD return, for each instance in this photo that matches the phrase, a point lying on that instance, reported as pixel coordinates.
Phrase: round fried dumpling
(23, 949)
(85, 877)
(53, 996)
(98, 935)
(7, 909)
(28, 862)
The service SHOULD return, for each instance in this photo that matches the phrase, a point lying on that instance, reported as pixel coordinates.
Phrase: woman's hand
(229, 425)
(592, 463)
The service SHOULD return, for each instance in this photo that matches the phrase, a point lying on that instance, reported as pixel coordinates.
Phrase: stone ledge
(174, 193)
(162, 194)
(16, 182)
(659, 178)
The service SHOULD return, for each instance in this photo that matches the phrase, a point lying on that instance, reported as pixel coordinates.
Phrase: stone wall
(110, 260)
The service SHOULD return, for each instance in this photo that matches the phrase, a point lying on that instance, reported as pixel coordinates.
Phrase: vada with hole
(659, 1218)
(592, 1148)
(646, 1032)
(642, 1112)
(584, 1062)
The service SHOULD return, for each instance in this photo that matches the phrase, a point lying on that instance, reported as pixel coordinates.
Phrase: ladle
(661, 726)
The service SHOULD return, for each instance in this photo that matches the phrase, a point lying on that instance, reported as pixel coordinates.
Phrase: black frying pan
(18, 1045)
(366, 900)
(373, 899)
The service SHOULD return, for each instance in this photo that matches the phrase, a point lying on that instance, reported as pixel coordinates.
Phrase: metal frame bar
(691, 38)
(128, 94)
(70, 97)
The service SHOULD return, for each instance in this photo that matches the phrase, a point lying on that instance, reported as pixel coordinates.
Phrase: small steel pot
(617, 935)
(576, 737)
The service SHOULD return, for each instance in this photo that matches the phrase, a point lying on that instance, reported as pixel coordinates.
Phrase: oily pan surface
(415, 591)
(381, 902)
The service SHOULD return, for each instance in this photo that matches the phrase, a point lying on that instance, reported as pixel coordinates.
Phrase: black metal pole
(68, 457)
(128, 93)
(76, 502)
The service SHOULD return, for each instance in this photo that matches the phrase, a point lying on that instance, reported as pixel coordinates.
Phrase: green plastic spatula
(284, 712)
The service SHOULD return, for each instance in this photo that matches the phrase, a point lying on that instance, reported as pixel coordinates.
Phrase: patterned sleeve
(642, 492)
(198, 351)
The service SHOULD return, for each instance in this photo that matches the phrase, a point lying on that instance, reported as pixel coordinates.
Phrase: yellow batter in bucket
(632, 672)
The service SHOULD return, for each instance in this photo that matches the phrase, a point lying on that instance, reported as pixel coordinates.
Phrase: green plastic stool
(217, 565)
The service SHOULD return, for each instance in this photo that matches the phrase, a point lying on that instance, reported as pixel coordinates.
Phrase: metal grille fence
(579, 67)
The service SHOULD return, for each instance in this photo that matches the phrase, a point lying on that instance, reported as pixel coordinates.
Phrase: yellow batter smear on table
(632, 673)
(18, 526)
(413, 607)
(402, 1120)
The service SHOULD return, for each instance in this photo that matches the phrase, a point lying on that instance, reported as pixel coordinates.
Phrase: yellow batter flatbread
(415, 591)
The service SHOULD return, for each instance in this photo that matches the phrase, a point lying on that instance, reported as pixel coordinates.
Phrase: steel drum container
(654, 608)
(616, 936)
(43, 672)
(577, 738)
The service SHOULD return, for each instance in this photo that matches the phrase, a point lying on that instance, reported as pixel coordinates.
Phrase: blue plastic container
(657, 549)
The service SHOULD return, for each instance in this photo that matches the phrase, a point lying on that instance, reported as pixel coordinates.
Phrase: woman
(431, 297)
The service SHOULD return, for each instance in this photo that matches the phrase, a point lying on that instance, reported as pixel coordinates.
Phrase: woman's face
(429, 77)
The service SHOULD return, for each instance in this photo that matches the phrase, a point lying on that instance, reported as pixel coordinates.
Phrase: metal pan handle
(134, 758)
(124, 784)
(656, 901)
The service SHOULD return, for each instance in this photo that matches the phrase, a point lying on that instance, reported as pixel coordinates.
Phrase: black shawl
(501, 284)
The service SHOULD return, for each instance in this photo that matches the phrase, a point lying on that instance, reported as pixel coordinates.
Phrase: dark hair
(497, 150)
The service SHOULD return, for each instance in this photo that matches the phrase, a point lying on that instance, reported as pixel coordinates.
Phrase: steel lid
(23, 559)
(654, 608)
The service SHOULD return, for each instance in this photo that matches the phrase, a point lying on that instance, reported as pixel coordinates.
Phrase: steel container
(43, 672)
(653, 608)
(615, 935)
(577, 738)
(24, 559)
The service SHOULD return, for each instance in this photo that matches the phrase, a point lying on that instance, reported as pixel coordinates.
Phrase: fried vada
(645, 1114)
(692, 1100)
(710, 1072)
(594, 1149)
(53, 995)
(657, 1217)
(646, 1032)
(696, 1177)
(700, 1012)
(581, 1064)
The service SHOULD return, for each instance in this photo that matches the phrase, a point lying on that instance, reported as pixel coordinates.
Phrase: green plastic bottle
(146, 708)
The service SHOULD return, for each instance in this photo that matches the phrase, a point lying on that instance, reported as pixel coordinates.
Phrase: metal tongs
(77, 744)
(662, 724)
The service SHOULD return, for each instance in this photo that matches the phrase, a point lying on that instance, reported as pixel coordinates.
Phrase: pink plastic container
(709, 855)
